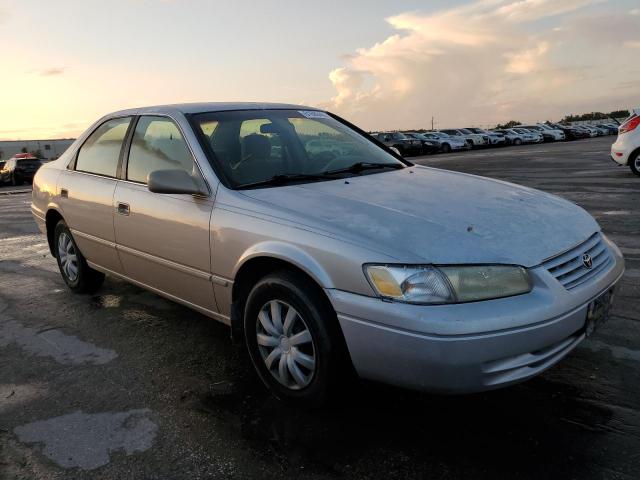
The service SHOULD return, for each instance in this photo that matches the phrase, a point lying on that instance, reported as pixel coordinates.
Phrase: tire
(634, 164)
(310, 362)
(446, 148)
(517, 141)
(14, 180)
(78, 276)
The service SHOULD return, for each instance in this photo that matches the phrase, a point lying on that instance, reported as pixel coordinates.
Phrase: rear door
(163, 239)
(86, 192)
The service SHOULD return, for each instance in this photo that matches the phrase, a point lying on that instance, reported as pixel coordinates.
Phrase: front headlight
(447, 284)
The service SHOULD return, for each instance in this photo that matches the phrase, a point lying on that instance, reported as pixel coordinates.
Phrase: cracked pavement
(125, 384)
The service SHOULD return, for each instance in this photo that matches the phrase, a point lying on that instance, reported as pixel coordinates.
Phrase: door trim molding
(194, 272)
(164, 262)
(86, 236)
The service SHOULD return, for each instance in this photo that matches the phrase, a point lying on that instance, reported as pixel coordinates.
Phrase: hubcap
(68, 257)
(285, 344)
(637, 162)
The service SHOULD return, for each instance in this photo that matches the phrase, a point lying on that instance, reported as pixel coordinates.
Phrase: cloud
(528, 10)
(485, 62)
(50, 72)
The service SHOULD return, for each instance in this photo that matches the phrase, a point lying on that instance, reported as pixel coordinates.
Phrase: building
(46, 149)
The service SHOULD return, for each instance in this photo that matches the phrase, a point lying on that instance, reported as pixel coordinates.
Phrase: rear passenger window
(101, 151)
(157, 145)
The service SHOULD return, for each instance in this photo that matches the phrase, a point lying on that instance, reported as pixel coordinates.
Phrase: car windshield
(253, 146)
(419, 136)
(464, 130)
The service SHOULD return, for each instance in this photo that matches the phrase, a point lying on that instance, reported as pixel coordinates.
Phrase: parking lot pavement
(125, 384)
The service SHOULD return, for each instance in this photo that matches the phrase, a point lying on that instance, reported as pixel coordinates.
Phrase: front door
(163, 239)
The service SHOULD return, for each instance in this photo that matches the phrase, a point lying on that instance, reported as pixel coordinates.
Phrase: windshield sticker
(313, 114)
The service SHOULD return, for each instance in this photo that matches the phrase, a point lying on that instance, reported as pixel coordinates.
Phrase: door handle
(122, 208)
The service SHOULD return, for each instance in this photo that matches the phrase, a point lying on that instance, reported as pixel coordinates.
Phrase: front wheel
(293, 339)
(517, 141)
(78, 276)
(15, 181)
(634, 164)
(446, 148)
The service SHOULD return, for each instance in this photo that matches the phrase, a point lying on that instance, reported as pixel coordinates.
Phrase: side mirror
(172, 181)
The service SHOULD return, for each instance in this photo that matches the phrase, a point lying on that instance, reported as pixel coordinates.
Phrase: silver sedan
(324, 251)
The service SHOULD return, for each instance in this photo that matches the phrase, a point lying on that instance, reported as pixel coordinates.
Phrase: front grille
(568, 267)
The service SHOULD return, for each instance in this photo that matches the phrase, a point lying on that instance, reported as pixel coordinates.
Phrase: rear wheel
(446, 148)
(78, 276)
(15, 180)
(634, 164)
(517, 141)
(293, 339)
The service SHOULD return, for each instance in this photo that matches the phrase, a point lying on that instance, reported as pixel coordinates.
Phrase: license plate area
(598, 312)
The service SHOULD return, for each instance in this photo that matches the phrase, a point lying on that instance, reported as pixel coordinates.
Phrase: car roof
(188, 108)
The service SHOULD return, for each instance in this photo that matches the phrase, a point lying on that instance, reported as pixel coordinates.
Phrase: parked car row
(19, 169)
(409, 143)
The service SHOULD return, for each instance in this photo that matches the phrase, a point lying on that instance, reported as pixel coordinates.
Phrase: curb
(14, 192)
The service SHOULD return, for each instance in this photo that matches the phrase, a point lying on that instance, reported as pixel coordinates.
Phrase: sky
(380, 64)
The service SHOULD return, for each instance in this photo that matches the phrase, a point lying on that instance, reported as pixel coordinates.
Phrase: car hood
(427, 215)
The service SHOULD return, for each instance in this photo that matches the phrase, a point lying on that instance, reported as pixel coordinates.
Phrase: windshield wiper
(361, 166)
(285, 178)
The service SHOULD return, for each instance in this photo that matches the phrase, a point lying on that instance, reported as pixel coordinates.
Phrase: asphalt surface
(125, 384)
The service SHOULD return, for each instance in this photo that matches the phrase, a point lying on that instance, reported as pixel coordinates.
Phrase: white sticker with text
(313, 114)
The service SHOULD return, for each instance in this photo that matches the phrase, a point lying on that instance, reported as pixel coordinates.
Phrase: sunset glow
(382, 66)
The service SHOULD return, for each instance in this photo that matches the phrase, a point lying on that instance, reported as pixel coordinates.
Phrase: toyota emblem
(587, 261)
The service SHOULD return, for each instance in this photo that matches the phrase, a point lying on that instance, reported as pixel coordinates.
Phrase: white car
(473, 139)
(448, 143)
(548, 135)
(592, 131)
(557, 134)
(529, 136)
(626, 149)
(494, 138)
(512, 137)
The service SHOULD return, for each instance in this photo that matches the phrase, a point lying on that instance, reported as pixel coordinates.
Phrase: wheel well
(52, 219)
(248, 275)
(632, 155)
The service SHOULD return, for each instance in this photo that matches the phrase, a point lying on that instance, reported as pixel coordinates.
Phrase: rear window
(100, 153)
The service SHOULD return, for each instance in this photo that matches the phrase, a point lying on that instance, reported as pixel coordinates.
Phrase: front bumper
(469, 347)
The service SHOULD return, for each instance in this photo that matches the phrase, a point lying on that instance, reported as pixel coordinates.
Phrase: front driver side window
(157, 145)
